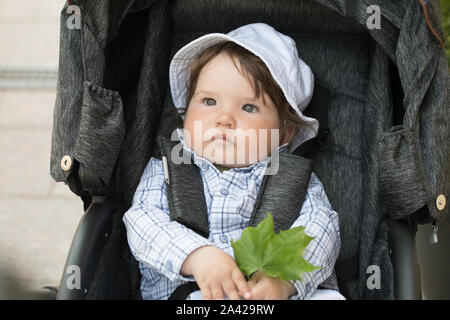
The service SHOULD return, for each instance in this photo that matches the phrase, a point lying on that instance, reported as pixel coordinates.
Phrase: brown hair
(255, 70)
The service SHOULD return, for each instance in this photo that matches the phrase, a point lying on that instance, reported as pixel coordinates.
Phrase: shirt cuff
(181, 248)
(304, 287)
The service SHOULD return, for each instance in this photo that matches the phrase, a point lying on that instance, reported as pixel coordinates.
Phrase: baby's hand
(264, 287)
(216, 273)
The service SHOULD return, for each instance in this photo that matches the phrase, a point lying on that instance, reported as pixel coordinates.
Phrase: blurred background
(38, 217)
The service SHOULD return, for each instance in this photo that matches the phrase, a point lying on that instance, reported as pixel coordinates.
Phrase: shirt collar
(202, 162)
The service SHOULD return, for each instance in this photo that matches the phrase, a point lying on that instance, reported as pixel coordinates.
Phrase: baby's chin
(229, 155)
(232, 163)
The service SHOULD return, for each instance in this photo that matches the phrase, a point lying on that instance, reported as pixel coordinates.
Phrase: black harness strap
(186, 198)
(283, 193)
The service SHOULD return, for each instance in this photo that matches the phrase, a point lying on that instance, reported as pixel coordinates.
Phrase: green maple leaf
(277, 255)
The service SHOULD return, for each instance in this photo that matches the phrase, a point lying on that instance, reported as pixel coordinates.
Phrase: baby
(241, 96)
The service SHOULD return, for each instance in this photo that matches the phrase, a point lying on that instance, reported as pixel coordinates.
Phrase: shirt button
(308, 288)
(205, 166)
(224, 191)
(440, 202)
(66, 163)
(223, 238)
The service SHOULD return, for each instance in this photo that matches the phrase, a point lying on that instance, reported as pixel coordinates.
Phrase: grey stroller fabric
(386, 154)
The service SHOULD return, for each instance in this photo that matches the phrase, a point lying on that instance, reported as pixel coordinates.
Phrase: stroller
(381, 97)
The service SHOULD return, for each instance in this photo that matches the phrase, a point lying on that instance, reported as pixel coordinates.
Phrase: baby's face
(225, 123)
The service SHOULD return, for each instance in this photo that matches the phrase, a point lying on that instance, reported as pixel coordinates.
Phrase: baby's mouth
(220, 137)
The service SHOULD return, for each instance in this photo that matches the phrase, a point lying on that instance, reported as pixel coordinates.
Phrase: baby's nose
(225, 119)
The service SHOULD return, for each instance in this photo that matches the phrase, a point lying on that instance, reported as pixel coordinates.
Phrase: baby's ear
(289, 132)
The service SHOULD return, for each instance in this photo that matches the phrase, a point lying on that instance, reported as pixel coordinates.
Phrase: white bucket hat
(276, 50)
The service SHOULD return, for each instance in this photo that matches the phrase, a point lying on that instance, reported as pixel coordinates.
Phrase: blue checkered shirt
(161, 245)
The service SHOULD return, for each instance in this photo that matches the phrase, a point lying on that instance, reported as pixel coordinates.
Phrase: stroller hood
(415, 152)
(382, 148)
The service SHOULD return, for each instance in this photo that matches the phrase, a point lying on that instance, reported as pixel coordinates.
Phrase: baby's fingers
(258, 292)
(206, 293)
(217, 292)
(230, 290)
(241, 284)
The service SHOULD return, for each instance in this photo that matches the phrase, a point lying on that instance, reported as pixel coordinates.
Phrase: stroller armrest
(87, 244)
(407, 285)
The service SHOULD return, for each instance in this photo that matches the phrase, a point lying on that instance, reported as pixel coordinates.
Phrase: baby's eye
(209, 101)
(249, 108)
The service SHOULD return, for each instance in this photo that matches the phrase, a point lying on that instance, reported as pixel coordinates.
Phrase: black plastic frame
(90, 237)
